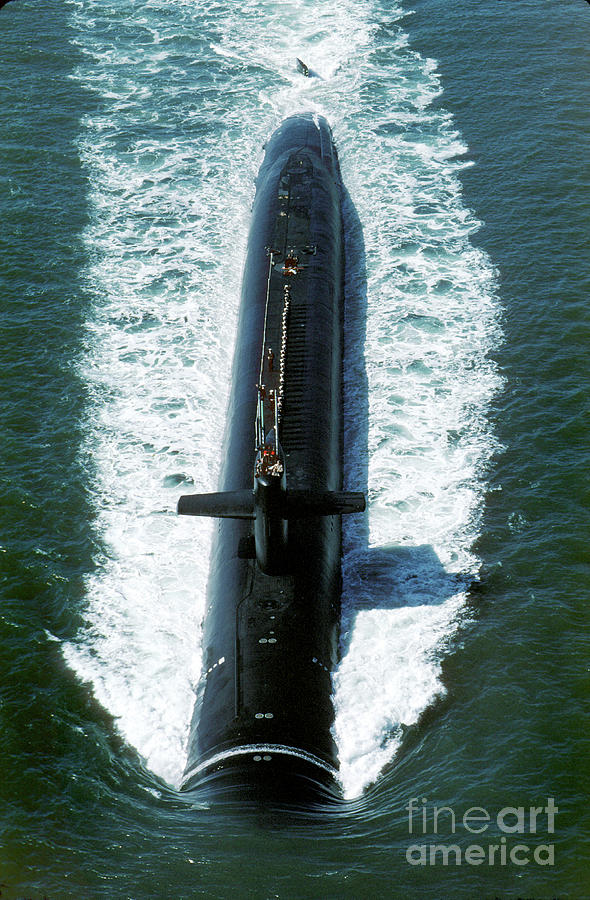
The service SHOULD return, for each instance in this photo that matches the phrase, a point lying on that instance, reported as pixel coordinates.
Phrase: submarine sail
(263, 713)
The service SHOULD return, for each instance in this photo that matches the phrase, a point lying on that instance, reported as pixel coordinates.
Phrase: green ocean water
(83, 814)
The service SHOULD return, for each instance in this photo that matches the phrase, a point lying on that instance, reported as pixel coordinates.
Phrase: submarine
(262, 721)
(304, 69)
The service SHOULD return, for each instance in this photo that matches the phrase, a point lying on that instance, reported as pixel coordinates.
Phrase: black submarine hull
(262, 724)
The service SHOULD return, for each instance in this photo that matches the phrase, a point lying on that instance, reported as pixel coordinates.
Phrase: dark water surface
(86, 811)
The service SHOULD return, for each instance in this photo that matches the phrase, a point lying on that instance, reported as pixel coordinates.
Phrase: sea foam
(187, 100)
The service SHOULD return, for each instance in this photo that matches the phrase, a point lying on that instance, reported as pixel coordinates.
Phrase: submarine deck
(271, 641)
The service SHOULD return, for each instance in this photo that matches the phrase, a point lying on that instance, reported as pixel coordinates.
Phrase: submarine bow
(263, 715)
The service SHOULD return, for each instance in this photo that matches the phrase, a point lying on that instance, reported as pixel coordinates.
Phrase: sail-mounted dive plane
(263, 715)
